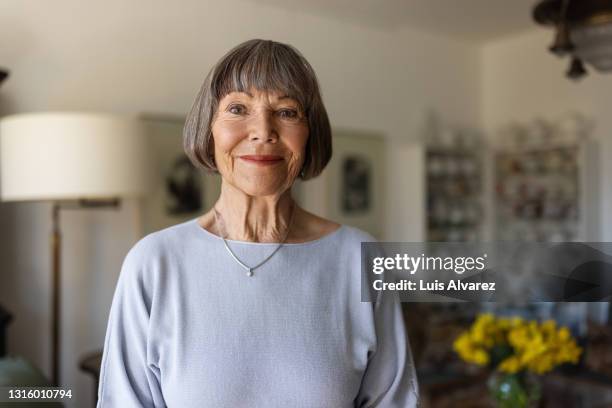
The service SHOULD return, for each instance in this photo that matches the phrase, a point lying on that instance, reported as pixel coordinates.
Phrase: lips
(262, 159)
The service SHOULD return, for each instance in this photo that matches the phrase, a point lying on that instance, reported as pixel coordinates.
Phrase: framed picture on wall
(180, 191)
(351, 188)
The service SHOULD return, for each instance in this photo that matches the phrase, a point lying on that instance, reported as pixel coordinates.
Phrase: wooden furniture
(442, 390)
(561, 389)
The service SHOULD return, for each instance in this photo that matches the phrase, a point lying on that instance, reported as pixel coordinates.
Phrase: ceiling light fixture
(583, 31)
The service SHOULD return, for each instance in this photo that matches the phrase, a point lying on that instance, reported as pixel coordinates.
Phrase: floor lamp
(73, 160)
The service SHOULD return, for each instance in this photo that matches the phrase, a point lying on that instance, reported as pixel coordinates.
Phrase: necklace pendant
(249, 269)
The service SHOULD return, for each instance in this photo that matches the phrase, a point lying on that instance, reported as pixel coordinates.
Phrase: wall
(151, 56)
(521, 80)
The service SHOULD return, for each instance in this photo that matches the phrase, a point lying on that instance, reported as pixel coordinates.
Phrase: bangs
(265, 66)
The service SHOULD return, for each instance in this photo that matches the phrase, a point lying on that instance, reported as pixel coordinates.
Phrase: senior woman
(256, 303)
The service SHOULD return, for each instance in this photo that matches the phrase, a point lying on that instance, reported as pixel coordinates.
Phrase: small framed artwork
(180, 191)
(351, 188)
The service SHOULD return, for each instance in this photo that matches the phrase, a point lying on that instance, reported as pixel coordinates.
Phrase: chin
(262, 190)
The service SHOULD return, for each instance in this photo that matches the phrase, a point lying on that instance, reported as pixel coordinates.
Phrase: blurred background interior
(453, 121)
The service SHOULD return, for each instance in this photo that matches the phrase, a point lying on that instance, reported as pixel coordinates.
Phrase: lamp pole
(56, 248)
(56, 252)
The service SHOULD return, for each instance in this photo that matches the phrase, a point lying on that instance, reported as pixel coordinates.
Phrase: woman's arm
(126, 378)
(390, 379)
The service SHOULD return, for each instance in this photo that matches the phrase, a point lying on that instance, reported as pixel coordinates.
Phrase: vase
(518, 390)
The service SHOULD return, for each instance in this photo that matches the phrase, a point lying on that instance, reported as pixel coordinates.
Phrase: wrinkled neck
(245, 217)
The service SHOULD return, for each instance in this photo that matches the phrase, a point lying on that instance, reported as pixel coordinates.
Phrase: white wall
(151, 56)
(521, 80)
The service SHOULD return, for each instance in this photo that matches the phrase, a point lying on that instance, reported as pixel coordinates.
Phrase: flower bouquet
(517, 351)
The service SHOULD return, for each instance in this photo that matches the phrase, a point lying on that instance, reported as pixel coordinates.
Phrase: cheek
(227, 135)
(296, 143)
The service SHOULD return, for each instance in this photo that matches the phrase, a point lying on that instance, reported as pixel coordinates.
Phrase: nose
(263, 128)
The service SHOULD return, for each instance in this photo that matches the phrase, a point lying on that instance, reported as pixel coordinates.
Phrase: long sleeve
(126, 378)
(390, 379)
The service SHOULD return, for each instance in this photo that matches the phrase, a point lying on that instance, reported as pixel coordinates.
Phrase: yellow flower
(536, 347)
(510, 365)
(481, 357)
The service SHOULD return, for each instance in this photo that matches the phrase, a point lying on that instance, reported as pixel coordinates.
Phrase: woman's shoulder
(144, 259)
(358, 234)
(161, 241)
(350, 237)
(313, 227)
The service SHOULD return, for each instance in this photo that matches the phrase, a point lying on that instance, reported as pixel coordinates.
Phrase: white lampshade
(55, 156)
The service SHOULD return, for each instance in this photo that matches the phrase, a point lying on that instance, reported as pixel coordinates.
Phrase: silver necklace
(248, 268)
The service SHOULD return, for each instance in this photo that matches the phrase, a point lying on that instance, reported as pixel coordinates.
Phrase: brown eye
(288, 114)
(237, 109)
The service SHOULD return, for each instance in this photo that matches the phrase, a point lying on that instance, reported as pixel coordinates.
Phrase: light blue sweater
(188, 328)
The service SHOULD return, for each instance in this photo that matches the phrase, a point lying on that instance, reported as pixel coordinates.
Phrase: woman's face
(259, 141)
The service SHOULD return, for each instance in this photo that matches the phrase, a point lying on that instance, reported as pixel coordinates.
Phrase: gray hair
(264, 65)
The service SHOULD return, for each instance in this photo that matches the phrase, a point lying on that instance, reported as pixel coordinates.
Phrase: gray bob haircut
(263, 65)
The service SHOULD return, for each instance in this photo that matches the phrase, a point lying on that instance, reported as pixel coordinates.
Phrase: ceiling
(472, 20)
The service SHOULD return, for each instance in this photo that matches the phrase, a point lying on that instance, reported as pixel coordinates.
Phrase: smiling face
(259, 141)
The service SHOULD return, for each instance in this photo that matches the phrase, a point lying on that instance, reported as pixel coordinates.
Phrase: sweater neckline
(324, 238)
